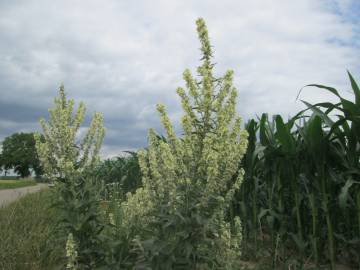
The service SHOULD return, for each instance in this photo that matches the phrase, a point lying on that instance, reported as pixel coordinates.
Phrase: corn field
(301, 186)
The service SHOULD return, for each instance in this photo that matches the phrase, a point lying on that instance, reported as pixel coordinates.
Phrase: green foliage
(300, 200)
(75, 198)
(19, 153)
(188, 182)
(79, 215)
(302, 182)
(26, 227)
(119, 176)
(1, 163)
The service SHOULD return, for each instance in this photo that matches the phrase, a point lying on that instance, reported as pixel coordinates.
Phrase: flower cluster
(59, 154)
(200, 170)
(71, 253)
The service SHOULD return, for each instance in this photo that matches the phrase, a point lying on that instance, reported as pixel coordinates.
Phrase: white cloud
(122, 57)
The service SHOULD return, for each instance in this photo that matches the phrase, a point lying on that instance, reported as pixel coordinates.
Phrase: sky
(123, 57)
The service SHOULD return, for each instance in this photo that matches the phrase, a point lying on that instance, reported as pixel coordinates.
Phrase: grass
(25, 233)
(6, 184)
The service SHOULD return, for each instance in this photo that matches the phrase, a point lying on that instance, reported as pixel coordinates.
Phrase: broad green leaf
(344, 193)
(355, 88)
(284, 135)
(320, 113)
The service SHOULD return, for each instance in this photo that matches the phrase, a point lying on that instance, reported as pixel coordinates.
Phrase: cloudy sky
(123, 57)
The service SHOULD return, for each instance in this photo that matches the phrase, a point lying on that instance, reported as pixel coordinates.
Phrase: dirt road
(9, 195)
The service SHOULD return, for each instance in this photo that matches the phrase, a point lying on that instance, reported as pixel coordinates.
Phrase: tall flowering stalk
(71, 253)
(60, 154)
(189, 181)
(67, 160)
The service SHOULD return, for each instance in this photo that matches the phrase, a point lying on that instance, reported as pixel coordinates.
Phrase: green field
(6, 184)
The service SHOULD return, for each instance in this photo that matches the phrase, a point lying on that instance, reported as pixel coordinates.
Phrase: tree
(1, 163)
(189, 182)
(19, 153)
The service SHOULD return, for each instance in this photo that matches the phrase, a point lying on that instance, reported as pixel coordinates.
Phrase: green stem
(298, 217)
(358, 209)
(358, 214)
(328, 223)
(314, 220)
(255, 213)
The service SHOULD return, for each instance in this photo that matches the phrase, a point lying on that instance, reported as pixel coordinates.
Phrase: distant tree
(1, 163)
(19, 153)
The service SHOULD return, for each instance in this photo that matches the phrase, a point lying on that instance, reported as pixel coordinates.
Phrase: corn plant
(302, 182)
(118, 176)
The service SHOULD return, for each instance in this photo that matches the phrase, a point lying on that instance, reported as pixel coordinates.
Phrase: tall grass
(25, 230)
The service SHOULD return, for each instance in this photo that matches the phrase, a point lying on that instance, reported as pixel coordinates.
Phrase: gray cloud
(121, 57)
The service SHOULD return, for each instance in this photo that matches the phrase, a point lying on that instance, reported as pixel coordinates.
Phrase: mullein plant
(71, 253)
(59, 154)
(67, 163)
(190, 181)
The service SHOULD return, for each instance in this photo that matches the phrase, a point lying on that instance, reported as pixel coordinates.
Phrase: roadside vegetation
(272, 193)
(26, 233)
